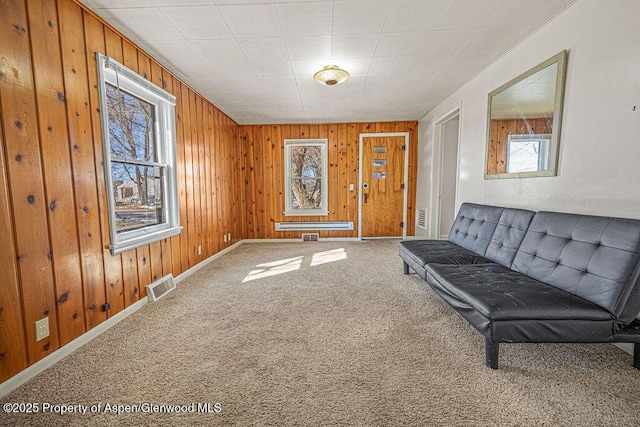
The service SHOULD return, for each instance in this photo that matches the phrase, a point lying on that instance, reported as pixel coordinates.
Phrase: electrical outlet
(42, 329)
(229, 238)
(225, 238)
(199, 250)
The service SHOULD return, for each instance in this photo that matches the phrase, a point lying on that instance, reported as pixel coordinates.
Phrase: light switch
(350, 187)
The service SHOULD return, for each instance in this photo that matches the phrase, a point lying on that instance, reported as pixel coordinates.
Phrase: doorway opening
(446, 173)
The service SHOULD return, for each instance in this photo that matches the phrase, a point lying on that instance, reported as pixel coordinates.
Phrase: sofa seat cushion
(424, 252)
(501, 294)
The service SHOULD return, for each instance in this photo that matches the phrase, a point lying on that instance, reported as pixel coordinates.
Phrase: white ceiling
(255, 59)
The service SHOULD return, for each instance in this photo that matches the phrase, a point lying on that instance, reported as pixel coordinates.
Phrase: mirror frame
(554, 149)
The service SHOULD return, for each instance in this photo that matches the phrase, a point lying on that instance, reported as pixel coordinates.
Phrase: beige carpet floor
(326, 333)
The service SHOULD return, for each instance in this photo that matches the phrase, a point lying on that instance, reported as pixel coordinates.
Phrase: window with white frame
(138, 128)
(305, 162)
(528, 153)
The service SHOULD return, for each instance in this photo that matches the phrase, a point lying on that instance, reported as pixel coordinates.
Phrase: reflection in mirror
(527, 153)
(524, 122)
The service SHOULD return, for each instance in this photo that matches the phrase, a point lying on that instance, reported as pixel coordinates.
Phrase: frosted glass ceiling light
(331, 75)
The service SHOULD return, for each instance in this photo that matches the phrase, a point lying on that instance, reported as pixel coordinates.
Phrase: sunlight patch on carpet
(325, 257)
(274, 268)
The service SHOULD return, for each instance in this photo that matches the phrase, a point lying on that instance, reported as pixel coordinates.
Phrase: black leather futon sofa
(534, 277)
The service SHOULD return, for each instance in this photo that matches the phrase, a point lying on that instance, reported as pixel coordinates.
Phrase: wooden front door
(382, 186)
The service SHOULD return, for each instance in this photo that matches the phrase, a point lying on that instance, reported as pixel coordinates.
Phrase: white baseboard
(22, 377)
(272, 240)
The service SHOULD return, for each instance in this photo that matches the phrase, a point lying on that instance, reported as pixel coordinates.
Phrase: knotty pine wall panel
(26, 181)
(500, 131)
(264, 174)
(52, 123)
(54, 257)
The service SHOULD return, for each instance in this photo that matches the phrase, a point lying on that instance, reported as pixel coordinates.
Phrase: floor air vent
(160, 288)
(310, 237)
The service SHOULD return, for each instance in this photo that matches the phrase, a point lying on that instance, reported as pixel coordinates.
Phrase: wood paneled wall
(53, 257)
(264, 179)
(54, 260)
(500, 131)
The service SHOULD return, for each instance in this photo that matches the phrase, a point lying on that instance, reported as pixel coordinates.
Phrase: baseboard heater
(306, 226)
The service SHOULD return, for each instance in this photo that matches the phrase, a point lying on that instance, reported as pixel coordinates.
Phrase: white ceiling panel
(520, 12)
(202, 71)
(359, 16)
(255, 59)
(227, 2)
(234, 70)
(197, 22)
(265, 49)
(395, 66)
(496, 39)
(469, 13)
(179, 52)
(117, 4)
(283, 96)
(213, 85)
(255, 96)
(225, 97)
(426, 42)
(305, 19)
(416, 15)
(161, 3)
(251, 20)
(309, 47)
(281, 85)
(273, 69)
(245, 85)
(354, 45)
(220, 50)
(146, 23)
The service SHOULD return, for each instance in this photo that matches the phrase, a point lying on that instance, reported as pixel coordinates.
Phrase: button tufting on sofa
(563, 277)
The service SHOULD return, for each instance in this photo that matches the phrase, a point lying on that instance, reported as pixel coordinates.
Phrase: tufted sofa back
(595, 258)
(474, 226)
(507, 237)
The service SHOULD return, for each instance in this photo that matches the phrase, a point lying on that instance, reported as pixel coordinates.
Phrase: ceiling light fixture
(331, 75)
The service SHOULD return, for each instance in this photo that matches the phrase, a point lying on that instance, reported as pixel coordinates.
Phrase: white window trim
(114, 73)
(544, 141)
(323, 210)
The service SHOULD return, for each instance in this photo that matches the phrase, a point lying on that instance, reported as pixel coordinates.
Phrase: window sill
(145, 239)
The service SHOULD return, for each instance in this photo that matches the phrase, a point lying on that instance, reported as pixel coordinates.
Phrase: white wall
(599, 169)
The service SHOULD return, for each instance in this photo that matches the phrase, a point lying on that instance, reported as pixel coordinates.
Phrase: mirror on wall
(524, 117)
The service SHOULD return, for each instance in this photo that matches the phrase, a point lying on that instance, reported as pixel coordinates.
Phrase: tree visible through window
(139, 137)
(305, 192)
(527, 153)
(137, 186)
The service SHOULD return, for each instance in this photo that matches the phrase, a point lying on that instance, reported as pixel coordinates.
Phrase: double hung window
(139, 157)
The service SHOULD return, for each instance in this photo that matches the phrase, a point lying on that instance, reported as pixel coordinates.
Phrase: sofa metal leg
(405, 267)
(636, 355)
(492, 349)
